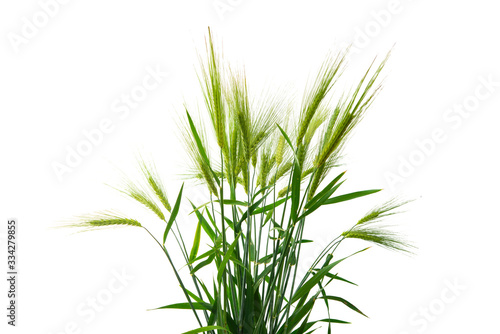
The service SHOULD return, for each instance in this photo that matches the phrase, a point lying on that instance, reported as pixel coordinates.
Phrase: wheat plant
(266, 172)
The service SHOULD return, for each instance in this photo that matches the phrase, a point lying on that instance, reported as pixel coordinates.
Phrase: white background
(63, 78)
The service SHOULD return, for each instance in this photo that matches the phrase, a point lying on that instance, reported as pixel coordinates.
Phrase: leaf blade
(173, 215)
(350, 196)
(196, 243)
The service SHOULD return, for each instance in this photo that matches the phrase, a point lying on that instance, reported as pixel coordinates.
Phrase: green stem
(177, 276)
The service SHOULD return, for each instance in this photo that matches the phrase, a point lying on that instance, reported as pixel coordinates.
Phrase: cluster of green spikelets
(266, 175)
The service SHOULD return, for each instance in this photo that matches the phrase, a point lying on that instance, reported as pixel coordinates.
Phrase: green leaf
(206, 254)
(286, 136)
(196, 298)
(212, 220)
(197, 138)
(207, 293)
(261, 190)
(296, 178)
(196, 243)
(324, 191)
(334, 321)
(347, 197)
(205, 329)
(345, 302)
(321, 201)
(227, 256)
(229, 223)
(251, 210)
(305, 326)
(318, 276)
(186, 306)
(289, 143)
(232, 202)
(225, 202)
(263, 275)
(299, 313)
(337, 277)
(203, 264)
(173, 215)
(199, 144)
(270, 206)
(206, 227)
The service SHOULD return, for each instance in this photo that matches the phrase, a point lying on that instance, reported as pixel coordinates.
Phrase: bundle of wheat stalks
(267, 174)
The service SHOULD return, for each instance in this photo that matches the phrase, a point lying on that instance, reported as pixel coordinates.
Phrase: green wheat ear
(379, 212)
(325, 80)
(366, 228)
(212, 83)
(104, 219)
(133, 191)
(150, 174)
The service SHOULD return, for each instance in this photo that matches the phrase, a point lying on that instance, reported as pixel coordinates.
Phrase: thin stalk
(237, 270)
(177, 276)
(258, 244)
(297, 255)
(288, 268)
(324, 252)
(224, 281)
(246, 253)
(269, 229)
(190, 267)
(266, 314)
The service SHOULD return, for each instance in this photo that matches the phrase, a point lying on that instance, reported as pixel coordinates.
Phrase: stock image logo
(121, 107)
(87, 311)
(452, 118)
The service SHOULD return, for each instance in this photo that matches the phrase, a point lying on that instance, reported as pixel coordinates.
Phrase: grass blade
(222, 266)
(324, 191)
(348, 197)
(318, 276)
(186, 306)
(173, 215)
(345, 302)
(196, 243)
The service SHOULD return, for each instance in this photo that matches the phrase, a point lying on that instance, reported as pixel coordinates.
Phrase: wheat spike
(105, 219)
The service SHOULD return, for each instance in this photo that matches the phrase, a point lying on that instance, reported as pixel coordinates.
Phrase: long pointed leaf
(324, 191)
(206, 227)
(196, 243)
(321, 201)
(347, 197)
(318, 276)
(295, 195)
(270, 206)
(173, 215)
(199, 144)
(227, 256)
(345, 302)
(186, 306)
